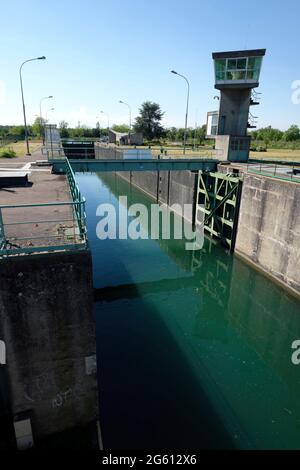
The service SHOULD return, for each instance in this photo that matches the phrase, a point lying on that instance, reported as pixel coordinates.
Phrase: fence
(279, 171)
(53, 226)
(4, 141)
(106, 152)
(79, 201)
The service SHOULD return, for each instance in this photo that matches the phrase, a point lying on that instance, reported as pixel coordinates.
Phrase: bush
(7, 153)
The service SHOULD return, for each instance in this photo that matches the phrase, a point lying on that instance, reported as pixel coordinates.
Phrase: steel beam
(95, 165)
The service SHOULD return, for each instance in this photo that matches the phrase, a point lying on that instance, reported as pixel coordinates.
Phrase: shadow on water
(150, 396)
(194, 348)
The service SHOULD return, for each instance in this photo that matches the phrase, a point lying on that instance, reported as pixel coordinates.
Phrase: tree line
(148, 122)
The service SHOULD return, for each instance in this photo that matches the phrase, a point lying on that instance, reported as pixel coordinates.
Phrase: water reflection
(194, 347)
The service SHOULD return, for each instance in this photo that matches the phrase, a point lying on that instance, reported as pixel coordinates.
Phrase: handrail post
(2, 232)
(79, 201)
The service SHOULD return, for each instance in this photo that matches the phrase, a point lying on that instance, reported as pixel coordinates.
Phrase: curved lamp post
(48, 110)
(24, 113)
(50, 130)
(187, 107)
(41, 117)
(129, 107)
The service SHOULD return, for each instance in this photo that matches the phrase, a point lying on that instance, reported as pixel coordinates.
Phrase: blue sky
(99, 52)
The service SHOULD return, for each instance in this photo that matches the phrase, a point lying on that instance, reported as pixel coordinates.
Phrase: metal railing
(44, 227)
(79, 201)
(22, 232)
(279, 171)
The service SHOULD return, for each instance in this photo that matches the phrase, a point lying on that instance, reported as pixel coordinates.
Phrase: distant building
(121, 138)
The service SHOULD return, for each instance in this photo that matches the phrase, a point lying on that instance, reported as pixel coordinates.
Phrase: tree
(96, 133)
(87, 132)
(171, 134)
(267, 134)
(149, 120)
(38, 126)
(17, 132)
(180, 133)
(201, 134)
(123, 128)
(292, 134)
(63, 126)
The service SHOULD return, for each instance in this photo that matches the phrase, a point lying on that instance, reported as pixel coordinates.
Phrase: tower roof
(235, 54)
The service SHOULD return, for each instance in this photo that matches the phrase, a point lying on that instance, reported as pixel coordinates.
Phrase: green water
(194, 348)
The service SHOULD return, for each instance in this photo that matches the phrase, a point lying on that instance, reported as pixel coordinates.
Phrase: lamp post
(48, 110)
(98, 126)
(41, 117)
(23, 103)
(195, 131)
(187, 107)
(107, 115)
(129, 107)
(50, 129)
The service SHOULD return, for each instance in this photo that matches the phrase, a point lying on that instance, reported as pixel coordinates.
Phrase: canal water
(193, 348)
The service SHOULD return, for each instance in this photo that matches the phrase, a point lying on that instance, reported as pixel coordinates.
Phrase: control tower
(236, 76)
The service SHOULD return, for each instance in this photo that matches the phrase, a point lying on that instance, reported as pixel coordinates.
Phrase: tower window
(244, 68)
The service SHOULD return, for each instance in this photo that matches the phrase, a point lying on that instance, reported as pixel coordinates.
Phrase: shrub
(7, 153)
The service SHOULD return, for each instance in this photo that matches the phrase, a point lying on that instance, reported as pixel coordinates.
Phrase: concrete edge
(290, 290)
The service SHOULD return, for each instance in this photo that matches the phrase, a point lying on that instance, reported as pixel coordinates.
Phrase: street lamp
(24, 113)
(50, 131)
(129, 107)
(41, 117)
(48, 110)
(107, 115)
(98, 124)
(187, 107)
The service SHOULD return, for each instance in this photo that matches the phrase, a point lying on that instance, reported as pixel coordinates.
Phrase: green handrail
(79, 201)
(2, 233)
(78, 207)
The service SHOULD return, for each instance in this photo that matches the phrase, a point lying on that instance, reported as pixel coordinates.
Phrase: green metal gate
(218, 198)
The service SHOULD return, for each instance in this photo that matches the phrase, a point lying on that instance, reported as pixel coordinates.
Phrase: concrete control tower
(236, 76)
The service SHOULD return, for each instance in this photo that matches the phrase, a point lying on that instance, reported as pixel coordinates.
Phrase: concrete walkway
(54, 225)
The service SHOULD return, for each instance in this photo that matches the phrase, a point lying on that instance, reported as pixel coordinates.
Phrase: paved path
(43, 187)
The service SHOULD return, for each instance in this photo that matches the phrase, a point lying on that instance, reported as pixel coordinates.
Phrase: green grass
(288, 155)
(20, 148)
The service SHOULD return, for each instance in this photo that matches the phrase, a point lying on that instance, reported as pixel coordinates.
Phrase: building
(120, 138)
(236, 76)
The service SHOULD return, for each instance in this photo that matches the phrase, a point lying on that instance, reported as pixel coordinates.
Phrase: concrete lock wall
(47, 323)
(269, 227)
(168, 187)
(104, 152)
